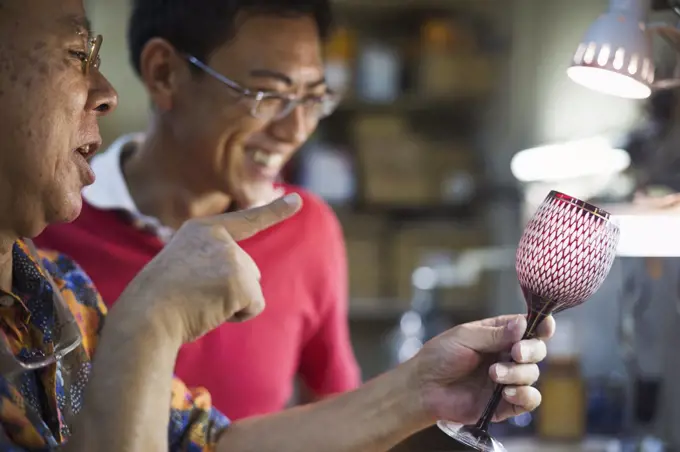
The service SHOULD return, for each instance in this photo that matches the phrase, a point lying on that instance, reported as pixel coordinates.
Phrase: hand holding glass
(563, 257)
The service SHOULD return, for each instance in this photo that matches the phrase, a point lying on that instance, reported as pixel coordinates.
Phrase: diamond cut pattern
(565, 253)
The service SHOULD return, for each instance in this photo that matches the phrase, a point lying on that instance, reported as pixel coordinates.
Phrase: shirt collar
(28, 294)
(27, 275)
(110, 191)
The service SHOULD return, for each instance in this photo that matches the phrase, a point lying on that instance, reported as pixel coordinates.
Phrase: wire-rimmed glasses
(271, 106)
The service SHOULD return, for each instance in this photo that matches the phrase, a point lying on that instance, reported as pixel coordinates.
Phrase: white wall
(109, 18)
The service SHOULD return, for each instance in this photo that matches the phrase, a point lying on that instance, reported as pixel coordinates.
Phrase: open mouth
(88, 150)
(266, 159)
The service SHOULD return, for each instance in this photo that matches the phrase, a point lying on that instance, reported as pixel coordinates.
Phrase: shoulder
(315, 210)
(312, 202)
(317, 227)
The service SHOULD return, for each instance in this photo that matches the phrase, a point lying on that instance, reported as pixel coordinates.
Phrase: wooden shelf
(390, 310)
(440, 211)
(411, 102)
(406, 5)
(420, 212)
(378, 309)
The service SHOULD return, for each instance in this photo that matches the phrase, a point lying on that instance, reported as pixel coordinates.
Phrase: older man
(51, 395)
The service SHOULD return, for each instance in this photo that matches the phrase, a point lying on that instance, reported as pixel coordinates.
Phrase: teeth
(267, 159)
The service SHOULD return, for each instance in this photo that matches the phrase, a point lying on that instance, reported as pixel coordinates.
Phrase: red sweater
(249, 368)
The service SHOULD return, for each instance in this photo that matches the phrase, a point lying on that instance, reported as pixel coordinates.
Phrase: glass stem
(534, 318)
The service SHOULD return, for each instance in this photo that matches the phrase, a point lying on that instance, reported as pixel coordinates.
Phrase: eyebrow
(77, 23)
(266, 73)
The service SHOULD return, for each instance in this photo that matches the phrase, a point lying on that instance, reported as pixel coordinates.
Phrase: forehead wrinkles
(20, 31)
(42, 19)
(28, 38)
(24, 58)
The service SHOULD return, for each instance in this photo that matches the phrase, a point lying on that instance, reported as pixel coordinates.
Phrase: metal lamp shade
(615, 57)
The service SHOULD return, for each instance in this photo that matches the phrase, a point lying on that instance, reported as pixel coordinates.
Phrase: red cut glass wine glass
(563, 257)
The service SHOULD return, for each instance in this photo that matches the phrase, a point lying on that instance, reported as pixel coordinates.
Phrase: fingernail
(524, 352)
(291, 199)
(514, 323)
(510, 392)
(501, 370)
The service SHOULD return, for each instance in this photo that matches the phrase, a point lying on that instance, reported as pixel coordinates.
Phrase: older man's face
(49, 106)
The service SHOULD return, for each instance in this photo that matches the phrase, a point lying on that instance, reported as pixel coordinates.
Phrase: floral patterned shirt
(36, 407)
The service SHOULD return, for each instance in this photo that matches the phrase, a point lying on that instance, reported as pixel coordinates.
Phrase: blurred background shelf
(392, 6)
(402, 161)
(390, 310)
(409, 103)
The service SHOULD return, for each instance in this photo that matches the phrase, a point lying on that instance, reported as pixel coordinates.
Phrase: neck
(6, 244)
(161, 189)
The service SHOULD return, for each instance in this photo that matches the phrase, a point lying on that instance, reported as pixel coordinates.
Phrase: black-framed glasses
(93, 60)
(273, 106)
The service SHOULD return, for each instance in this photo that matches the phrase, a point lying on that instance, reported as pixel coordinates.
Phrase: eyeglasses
(272, 106)
(93, 60)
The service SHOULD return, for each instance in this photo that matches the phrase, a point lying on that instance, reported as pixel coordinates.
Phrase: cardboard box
(415, 243)
(395, 173)
(364, 236)
(415, 173)
(456, 75)
(453, 172)
(391, 164)
(397, 167)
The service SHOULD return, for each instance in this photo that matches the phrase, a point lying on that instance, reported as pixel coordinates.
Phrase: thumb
(492, 339)
(246, 223)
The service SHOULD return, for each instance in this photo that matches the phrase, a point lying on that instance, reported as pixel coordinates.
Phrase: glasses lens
(272, 108)
(329, 104)
(278, 108)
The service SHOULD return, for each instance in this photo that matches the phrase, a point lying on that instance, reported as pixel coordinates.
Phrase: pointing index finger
(246, 223)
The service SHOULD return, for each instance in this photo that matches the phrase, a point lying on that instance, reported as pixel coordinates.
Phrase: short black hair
(199, 27)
